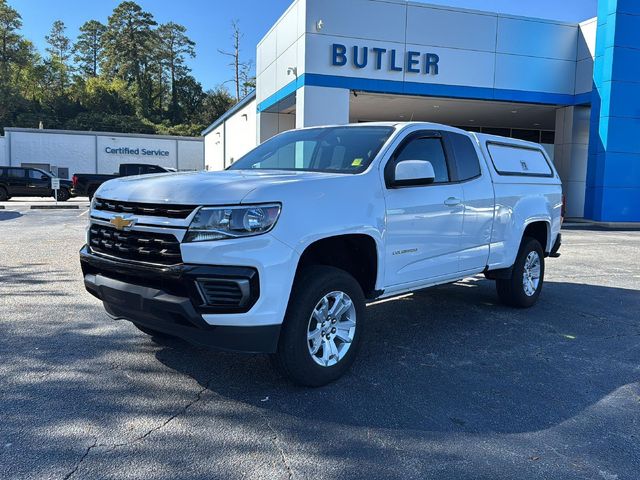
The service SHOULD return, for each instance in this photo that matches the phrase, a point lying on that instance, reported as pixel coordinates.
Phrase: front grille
(150, 247)
(149, 209)
(224, 293)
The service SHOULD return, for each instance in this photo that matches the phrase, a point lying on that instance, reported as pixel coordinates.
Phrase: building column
(269, 124)
(321, 106)
(613, 175)
(570, 155)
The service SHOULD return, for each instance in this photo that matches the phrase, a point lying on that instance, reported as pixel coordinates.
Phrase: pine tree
(129, 49)
(59, 50)
(88, 48)
(174, 48)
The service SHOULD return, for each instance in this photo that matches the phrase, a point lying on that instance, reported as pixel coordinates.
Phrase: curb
(54, 207)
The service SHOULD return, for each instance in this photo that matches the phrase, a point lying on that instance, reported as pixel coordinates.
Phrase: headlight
(218, 223)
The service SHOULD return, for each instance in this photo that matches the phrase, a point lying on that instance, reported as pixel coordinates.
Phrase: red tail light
(74, 180)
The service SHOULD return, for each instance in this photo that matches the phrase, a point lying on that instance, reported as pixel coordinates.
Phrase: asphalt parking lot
(449, 384)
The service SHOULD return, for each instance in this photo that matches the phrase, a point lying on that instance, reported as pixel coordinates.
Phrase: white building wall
(586, 54)
(281, 48)
(75, 152)
(190, 155)
(4, 155)
(479, 49)
(312, 102)
(240, 131)
(214, 149)
(232, 138)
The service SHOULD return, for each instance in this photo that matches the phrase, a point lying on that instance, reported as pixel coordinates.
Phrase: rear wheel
(4, 196)
(63, 195)
(323, 327)
(523, 288)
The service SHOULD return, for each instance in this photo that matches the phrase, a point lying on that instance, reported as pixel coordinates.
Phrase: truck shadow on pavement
(451, 359)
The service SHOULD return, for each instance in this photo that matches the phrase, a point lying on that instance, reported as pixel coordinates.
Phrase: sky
(208, 22)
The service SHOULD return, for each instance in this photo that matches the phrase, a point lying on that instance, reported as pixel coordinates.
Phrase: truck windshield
(334, 149)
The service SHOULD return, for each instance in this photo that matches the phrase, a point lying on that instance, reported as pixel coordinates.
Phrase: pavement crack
(276, 443)
(77, 465)
(171, 418)
(112, 446)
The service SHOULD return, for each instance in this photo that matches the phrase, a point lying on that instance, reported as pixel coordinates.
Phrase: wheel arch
(356, 253)
(540, 229)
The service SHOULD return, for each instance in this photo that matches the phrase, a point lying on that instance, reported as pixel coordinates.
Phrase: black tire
(293, 358)
(63, 195)
(511, 291)
(4, 196)
(153, 333)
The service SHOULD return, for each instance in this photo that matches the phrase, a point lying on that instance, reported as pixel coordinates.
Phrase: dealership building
(574, 87)
(65, 152)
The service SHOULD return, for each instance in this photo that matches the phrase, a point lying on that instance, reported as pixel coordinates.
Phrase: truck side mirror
(412, 173)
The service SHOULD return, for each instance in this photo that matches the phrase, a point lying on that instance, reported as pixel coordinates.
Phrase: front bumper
(167, 299)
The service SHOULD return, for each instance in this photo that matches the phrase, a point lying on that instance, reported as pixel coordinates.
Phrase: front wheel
(523, 288)
(4, 195)
(323, 327)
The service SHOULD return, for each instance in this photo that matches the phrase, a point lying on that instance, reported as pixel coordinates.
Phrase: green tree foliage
(10, 40)
(130, 75)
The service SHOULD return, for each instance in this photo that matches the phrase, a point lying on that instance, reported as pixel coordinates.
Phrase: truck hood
(201, 188)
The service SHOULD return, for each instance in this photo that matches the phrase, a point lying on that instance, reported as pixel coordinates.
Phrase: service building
(65, 152)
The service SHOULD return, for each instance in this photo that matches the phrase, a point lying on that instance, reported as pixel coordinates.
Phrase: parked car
(280, 252)
(85, 184)
(30, 182)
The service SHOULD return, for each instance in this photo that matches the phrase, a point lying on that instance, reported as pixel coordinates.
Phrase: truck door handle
(452, 202)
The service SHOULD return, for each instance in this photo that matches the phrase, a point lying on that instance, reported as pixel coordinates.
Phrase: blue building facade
(613, 173)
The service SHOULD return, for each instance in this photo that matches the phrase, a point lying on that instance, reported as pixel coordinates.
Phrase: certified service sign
(136, 151)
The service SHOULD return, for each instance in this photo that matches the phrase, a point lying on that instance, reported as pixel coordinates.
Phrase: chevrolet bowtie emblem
(122, 223)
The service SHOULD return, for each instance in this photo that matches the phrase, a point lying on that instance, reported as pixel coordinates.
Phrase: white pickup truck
(280, 253)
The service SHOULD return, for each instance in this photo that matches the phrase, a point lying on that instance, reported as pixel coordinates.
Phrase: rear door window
(15, 172)
(466, 157)
(516, 160)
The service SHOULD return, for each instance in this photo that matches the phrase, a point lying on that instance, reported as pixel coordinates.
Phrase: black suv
(30, 182)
